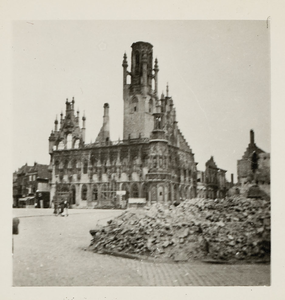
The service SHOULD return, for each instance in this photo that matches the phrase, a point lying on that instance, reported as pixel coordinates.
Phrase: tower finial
(156, 65)
(167, 90)
(125, 62)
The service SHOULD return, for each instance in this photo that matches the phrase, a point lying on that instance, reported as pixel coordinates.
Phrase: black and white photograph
(141, 153)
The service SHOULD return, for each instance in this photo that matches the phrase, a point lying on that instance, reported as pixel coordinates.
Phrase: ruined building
(211, 183)
(153, 162)
(254, 167)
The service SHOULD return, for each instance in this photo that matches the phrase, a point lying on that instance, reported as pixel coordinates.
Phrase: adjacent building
(30, 184)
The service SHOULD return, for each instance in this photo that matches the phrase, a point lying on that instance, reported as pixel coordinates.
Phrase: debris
(222, 229)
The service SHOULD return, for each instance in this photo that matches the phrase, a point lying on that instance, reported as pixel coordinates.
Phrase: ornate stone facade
(153, 161)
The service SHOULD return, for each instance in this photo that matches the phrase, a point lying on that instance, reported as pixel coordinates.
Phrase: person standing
(55, 203)
(61, 208)
(65, 208)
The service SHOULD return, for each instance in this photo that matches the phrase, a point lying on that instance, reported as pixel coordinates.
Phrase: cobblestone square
(50, 251)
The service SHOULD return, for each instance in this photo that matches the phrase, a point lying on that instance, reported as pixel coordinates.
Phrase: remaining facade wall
(254, 165)
(211, 183)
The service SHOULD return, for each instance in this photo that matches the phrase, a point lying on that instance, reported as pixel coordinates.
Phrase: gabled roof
(41, 170)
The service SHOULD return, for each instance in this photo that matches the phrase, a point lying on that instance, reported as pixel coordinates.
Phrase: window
(254, 162)
(137, 62)
(84, 192)
(65, 167)
(85, 167)
(134, 104)
(135, 191)
(69, 141)
(95, 193)
(74, 166)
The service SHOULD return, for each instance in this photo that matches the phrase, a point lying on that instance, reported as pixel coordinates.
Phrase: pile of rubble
(224, 229)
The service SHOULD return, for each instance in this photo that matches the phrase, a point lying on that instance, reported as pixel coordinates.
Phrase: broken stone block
(178, 257)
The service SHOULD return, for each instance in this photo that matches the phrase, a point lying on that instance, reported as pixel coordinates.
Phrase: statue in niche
(164, 162)
(154, 162)
(160, 161)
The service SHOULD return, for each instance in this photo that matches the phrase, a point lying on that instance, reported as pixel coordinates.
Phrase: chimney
(251, 136)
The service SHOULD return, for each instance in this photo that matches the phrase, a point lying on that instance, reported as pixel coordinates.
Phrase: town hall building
(153, 162)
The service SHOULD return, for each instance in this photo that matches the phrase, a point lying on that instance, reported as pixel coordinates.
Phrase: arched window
(76, 144)
(85, 167)
(69, 141)
(84, 192)
(135, 191)
(254, 163)
(154, 162)
(60, 146)
(56, 164)
(74, 166)
(137, 63)
(150, 104)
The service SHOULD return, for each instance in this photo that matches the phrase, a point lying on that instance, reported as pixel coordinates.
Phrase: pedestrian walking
(65, 207)
(61, 205)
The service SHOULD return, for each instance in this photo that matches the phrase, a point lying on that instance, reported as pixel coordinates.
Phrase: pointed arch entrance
(73, 195)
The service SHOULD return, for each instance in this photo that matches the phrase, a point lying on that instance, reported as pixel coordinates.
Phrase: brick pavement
(49, 251)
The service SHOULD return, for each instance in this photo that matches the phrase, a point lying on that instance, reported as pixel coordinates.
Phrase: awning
(26, 199)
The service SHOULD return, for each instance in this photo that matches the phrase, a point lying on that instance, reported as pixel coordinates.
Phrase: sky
(218, 74)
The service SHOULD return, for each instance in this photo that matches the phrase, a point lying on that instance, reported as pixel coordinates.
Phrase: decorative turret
(156, 69)
(72, 103)
(55, 124)
(83, 127)
(61, 119)
(51, 142)
(125, 66)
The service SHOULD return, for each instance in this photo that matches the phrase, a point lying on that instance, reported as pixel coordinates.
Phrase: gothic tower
(139, 95)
